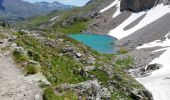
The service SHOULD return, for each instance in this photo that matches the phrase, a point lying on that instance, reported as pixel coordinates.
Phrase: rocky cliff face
(140, 5)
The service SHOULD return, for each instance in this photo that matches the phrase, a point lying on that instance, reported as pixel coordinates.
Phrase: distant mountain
(1, 5)
(18, 9)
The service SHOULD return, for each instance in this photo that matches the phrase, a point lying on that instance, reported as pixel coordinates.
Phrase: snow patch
(117, 11)
(52, 19)
(156, 43)
(119, 31)
(151, 16)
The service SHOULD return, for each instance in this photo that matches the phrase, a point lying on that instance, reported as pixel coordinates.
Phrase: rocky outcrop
(136, 5)
(140, 5)
(91, 89)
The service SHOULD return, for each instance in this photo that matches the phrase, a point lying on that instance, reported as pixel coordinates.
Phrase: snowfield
(151, 16)
(159, 81)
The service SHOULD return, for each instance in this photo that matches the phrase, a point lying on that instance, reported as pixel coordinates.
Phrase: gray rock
(90, 68)
(12, 38)
(92, 87)
(1, 42)
(37, 97)
(135, 95)
(78, 55)
(141, 94)
(153, 67)
(168, 36)
(91, 60)
(23, 31)
(67, 49)
(166, 2)
(14, 45)
(1, 55)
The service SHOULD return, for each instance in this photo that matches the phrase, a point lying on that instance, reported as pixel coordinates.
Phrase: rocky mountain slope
(134, 23)
(19, 9)
(135, 28)
(144, 31)
(141, 27)
(73, 70)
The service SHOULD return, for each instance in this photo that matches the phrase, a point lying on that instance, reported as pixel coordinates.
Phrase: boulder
(23, 31)
(166, 2)
(11, 39)
(38, 78)
(92, 87)
(78, 55)
(94, 15)
(13, 45)
(141, 94)
(1, 42)
(135, 95)
(37, 97)
(168, 36)
(153, 67)
(90, 68)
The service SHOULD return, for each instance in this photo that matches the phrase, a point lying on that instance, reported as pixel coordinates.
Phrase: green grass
(1, 36)
(57, 69)
(65, 69)
(125, 63)
(122, 50)
(20, 56)
(101, 76)
(66, 95)
(75, 28)
(31, 69)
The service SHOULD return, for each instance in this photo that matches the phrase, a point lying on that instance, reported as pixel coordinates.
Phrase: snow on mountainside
(158, 82)
(150, 16)
(148, 27)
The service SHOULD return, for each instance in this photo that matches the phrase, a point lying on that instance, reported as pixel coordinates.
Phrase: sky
(70, 2)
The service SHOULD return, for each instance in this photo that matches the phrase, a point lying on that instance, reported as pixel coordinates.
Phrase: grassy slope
(60, 69)
(76, 27)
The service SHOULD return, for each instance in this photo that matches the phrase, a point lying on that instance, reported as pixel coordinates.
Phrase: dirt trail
(13, 84)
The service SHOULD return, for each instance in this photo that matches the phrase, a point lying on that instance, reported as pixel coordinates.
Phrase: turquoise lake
(100, 43)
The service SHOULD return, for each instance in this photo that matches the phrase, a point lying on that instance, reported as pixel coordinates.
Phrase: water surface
(101, 43)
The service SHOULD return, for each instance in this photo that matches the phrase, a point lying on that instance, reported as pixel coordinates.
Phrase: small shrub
(122, 50)
(20, 56)
(34, 55)
(31, 69)
(49, 94)
(2, 36)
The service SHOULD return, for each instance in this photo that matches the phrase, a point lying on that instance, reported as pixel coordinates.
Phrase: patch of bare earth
(13, 84)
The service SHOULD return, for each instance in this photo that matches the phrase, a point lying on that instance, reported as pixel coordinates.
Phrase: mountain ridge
(11, 9)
